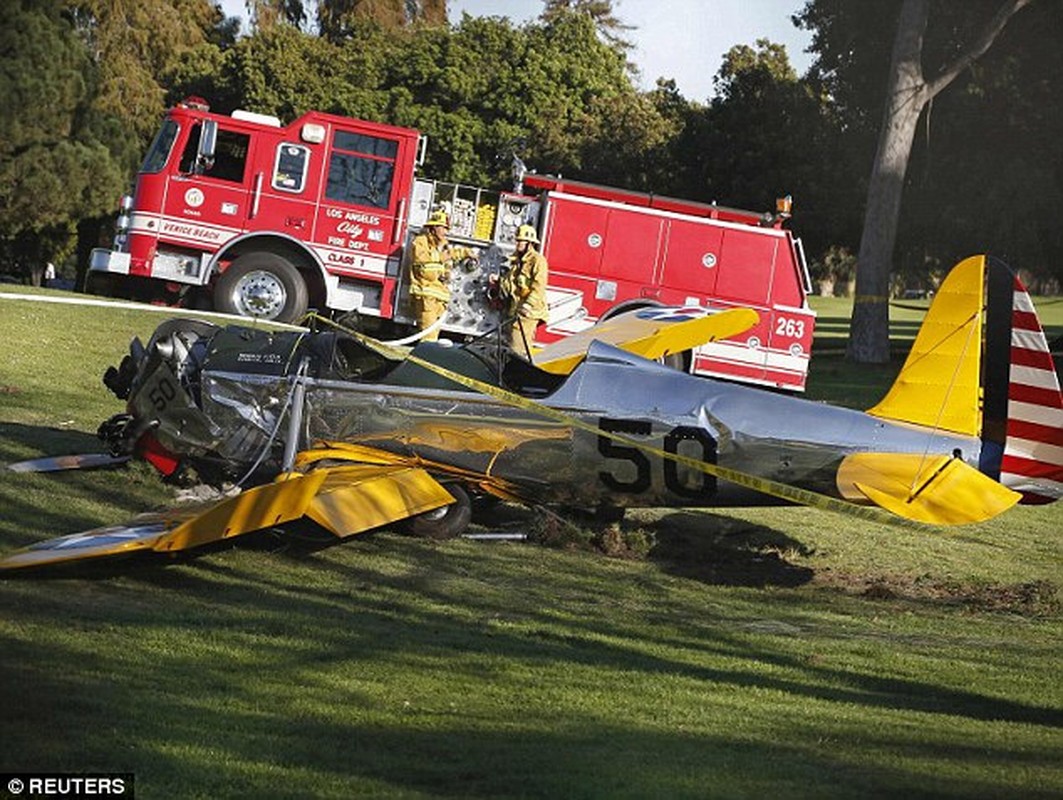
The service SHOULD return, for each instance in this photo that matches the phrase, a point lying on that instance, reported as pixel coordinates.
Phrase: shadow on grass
(706, 547)
(39, 506)
(383, 667)
(215, 744)
(712, 549)
(19, 442)
(726, 552)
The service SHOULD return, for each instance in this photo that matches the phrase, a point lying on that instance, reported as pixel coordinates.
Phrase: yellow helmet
(437, 218)
(526, 233)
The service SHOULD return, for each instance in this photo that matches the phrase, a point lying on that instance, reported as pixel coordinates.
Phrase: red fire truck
(260, 219)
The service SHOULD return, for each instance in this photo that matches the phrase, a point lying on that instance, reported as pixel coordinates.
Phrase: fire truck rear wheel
(263, 285)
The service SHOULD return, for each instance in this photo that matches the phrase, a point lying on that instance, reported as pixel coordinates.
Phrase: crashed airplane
(354, 434)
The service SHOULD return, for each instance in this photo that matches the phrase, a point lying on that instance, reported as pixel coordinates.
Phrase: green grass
(754, 652)
(833, 313)
(834, 379)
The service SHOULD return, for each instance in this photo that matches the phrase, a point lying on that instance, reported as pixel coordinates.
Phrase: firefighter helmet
(526, 233)
(437, 218)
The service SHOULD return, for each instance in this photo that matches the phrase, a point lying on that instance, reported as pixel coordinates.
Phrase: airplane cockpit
(331, 355)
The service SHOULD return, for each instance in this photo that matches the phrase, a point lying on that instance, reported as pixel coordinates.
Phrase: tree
(265, 14)
(138, 50)
(583, 111)
(908, 92)
(135, 45)
(552, 91)
(609, 26)
(959, 201)
(335, 17)
(766, 134)
(54, 170)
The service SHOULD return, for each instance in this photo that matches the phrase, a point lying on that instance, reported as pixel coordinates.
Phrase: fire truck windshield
(160, 148)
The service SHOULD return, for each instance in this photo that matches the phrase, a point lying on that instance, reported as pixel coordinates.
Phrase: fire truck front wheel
(263, 285)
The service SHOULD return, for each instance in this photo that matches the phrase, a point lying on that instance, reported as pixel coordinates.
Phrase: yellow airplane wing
(284, 500)
(345, 498)
(649, 332)
(113, 540)
(359, 497)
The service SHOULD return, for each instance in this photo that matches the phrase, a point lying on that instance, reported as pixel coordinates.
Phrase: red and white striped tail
(1033, 451)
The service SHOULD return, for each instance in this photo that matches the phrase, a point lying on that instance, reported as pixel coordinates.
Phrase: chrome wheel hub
(260, 294)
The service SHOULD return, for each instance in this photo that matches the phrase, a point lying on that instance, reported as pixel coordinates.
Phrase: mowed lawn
(753, 652)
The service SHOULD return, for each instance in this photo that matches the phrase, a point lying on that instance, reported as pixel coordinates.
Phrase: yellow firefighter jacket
(430, 266)
(524, 286)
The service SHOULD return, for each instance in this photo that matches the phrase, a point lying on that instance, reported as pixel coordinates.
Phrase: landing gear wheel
(445, 522)
(262, 285)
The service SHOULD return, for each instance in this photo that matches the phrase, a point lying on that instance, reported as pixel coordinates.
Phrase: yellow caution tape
(765, 486)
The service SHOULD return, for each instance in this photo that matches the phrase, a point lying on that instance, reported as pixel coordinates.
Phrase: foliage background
(85, 82)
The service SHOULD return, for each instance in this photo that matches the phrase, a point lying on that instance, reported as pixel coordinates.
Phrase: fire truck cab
(252, 217)
(269, 218)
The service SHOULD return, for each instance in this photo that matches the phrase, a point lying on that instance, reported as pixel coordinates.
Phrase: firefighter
(430, 267)
(523, 289)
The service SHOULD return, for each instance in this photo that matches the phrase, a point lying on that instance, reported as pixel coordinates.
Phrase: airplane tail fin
(1022, 428)
(980, 365)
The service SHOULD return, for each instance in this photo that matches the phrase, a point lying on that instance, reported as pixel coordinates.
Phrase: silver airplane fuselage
(781, 438)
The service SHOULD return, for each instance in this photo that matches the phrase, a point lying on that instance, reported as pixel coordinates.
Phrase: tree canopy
(55, 166)
(932, 47)
(86, 82)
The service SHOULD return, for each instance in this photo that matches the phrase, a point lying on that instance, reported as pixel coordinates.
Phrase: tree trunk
(907, 94)
(869, 331)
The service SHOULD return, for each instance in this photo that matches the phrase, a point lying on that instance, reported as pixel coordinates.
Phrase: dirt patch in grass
(706, 547)
(725, 551)
(574, 531)
(1033, 599)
